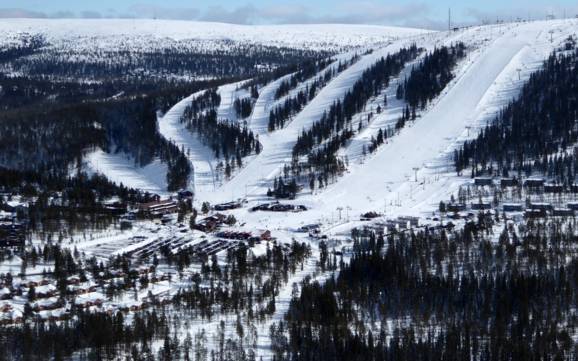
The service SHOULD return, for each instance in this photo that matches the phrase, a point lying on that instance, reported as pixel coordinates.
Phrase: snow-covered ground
(121, 169)
(500, 58)
(201, 157)
(229, 93)
(109, 34)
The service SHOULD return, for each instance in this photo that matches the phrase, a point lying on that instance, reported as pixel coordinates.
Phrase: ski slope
(485, 81)
(389, 176)
(121, 169)
(500, 58)
(277, 146)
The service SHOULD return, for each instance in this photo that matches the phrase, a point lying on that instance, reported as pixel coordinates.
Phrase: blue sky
(422, 13)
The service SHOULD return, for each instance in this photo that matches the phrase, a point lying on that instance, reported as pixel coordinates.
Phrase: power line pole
(449, 19)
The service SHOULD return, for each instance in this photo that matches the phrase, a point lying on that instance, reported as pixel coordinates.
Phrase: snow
(109, 34)
(277, 146)
(200, 156)
(500, 59)
(120, 168)
(259, 119)
(229, 93)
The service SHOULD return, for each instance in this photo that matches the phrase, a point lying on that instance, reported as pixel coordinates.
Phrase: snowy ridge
(112, 34)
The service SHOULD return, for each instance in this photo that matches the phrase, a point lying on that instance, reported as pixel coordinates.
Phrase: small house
(553, 188)
(534, 213)
(483, 181)
(512, 207)
(563, 212)
(534, 182)
(573, 205)
(508, 182)
(456, 207)
(480, 206)
(541, 206)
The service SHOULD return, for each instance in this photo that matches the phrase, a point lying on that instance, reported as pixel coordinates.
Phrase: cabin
(12, 234)
(480, 206)
(5, 293)
(209, 224)
(413, 221)
(46, 291)
(534, 213)
(227, 206)
(508, 182)
(541, 206)
(573, 205)
(483, 181)
(115, 208)
(563, 212)
(456, 207)
(159, 208)
(14, 206)
(184, 195)
(553, 188)
(534, 182)
(265, 235)
(512, 207)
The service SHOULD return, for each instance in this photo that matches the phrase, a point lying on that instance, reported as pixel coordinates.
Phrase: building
(116, 208)
(563, 212)
(227, 206)
(541, 206)
(456, 207)
(512, 207)
(159, 208)
(483, 181)
(534, 182)
(211, 223)
(534, 213)
(508, 182)
(553, 188)
(573, 205)
(12, 234)
(480, 206)
(185, 195)
(413, 221)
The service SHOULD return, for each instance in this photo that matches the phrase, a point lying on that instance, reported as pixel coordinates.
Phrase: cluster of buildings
(41, 299)
(279, 207)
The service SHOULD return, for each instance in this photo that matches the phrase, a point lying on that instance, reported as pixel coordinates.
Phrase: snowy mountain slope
(120, 168)
(258, 122)
(123, 33)
(229, 93)
(260, 115)
(500, 58)
(277, 146)
(201, 157)
(386, 181)
(485, 82)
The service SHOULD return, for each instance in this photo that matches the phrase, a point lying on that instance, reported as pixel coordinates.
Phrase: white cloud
(143, 10)
(246, 14)
(21, 13)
